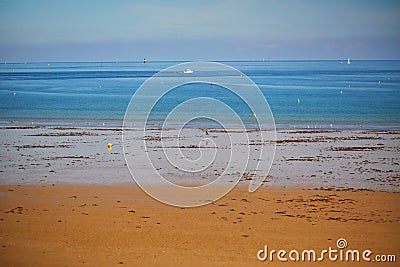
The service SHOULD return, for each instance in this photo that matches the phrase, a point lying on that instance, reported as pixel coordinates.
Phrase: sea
(301, 94)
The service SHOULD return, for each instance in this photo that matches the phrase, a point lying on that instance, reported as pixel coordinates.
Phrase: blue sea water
(96, 93)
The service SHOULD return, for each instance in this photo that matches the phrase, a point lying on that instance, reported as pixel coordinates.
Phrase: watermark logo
(341, 243)
(160, 146)
(341, 253)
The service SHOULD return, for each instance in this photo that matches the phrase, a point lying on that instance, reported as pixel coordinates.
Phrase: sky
(121, 30)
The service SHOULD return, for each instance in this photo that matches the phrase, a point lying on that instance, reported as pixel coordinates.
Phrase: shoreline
(360, 159)
(117, 125)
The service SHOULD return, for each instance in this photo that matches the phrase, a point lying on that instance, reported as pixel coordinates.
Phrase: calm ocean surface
(97, 93)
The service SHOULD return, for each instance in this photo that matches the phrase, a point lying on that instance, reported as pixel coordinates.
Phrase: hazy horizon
(212, 30)
(344, 60)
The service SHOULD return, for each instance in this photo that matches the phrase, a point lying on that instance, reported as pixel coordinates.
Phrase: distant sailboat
(348, 61)
(188, 71)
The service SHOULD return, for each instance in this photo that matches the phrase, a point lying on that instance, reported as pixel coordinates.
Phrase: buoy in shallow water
(298, 100)
(255, 116)
(15, 93)
(349, 86)
(109, 146)
(341, 92)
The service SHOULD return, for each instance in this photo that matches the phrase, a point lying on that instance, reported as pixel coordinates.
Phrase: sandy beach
(72, 225)
(65, 200)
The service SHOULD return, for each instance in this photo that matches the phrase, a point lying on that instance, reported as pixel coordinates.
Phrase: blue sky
(45, 30)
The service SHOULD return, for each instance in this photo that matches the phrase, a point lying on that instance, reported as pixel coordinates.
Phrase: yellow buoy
(109, 146)
(298, 100)
(255, 116)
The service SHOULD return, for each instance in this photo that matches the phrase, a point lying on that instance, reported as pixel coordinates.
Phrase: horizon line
(5, 62)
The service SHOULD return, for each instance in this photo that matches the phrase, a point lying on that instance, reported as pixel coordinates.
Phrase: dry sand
(72, 225)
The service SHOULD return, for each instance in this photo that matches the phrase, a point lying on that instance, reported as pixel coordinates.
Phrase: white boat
(348, 61)
(188, 71)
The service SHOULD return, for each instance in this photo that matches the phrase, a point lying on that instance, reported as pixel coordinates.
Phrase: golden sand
(77, 225)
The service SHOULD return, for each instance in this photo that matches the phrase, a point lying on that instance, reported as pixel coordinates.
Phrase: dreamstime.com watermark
(339, 253)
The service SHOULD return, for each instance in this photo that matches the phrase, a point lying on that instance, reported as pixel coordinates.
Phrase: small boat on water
(188, 71)
(348, 61)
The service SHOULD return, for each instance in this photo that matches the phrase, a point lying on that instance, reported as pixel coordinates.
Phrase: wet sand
(358, 159)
